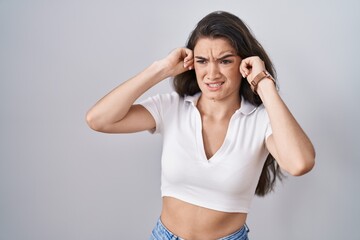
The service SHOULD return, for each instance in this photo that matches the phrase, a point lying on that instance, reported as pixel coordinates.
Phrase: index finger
(188, 54)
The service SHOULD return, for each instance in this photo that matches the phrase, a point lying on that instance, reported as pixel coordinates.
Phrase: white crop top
(227, 181)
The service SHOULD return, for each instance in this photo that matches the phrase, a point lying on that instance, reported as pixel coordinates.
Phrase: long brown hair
(226, 25)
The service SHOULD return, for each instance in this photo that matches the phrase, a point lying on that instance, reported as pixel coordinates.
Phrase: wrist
(160, 69)
(259, 79)
(265, 86)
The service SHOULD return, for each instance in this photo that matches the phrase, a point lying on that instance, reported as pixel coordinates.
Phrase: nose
(213, 71)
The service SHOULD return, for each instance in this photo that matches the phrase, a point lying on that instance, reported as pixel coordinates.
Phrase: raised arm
(288, 143)
(116, 111)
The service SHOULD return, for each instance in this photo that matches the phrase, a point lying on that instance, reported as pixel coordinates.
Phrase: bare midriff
(193, 222)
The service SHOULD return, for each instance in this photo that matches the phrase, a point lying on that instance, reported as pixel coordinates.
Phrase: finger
(189, 59)
(242, 72)
(188, 55)
(245, 67)
(190, 64)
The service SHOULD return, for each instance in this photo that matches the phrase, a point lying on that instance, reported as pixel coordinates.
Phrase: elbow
(93, 122)
(299, 171)
(303, 166)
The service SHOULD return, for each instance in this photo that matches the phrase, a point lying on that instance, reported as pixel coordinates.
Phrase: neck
(218, 109)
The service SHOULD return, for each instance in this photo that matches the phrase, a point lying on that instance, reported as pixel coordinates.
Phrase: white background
(60, 180)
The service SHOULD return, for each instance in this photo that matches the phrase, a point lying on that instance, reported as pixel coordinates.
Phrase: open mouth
(215, 85)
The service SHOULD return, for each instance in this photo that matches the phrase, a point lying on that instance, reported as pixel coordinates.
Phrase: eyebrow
(221, 58)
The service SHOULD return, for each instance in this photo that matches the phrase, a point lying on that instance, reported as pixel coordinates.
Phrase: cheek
(199, 72)
(234, 73)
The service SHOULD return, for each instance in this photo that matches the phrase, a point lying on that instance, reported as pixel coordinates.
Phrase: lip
(213, 86)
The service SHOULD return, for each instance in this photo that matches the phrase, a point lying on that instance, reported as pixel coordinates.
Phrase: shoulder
(162, 98)
(254, 113)
(163, 103)
(261, 113)
(249, 109)
(173, 98)
(170, 97)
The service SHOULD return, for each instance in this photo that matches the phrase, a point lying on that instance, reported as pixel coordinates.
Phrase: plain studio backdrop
(60, 180)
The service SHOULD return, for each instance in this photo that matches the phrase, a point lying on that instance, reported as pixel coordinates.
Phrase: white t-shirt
(225, 182)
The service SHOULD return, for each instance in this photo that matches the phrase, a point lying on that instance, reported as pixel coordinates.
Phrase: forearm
(115, 105)
(295, 152)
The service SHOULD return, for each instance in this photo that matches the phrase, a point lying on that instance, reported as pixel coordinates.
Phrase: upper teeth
(214, 84)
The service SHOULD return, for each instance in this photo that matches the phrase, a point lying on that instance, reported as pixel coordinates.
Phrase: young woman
(222, 127)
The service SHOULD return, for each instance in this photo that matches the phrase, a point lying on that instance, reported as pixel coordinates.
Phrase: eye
(201, 61)
(226, 61)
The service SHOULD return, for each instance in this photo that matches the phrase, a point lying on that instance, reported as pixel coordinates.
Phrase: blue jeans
(161, 233)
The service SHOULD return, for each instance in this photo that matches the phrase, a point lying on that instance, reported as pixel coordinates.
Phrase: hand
(250, 67)
(178, 61)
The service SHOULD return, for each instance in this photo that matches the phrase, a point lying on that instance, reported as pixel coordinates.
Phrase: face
(217, 69)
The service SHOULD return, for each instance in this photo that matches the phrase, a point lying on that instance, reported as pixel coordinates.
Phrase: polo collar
(192, 99)
(246, 108)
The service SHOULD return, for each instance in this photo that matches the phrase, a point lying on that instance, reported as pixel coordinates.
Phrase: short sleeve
(153, 105)
(159, 107)
(268, 130)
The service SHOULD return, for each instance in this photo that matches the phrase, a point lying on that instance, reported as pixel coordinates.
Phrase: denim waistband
(160, 232)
